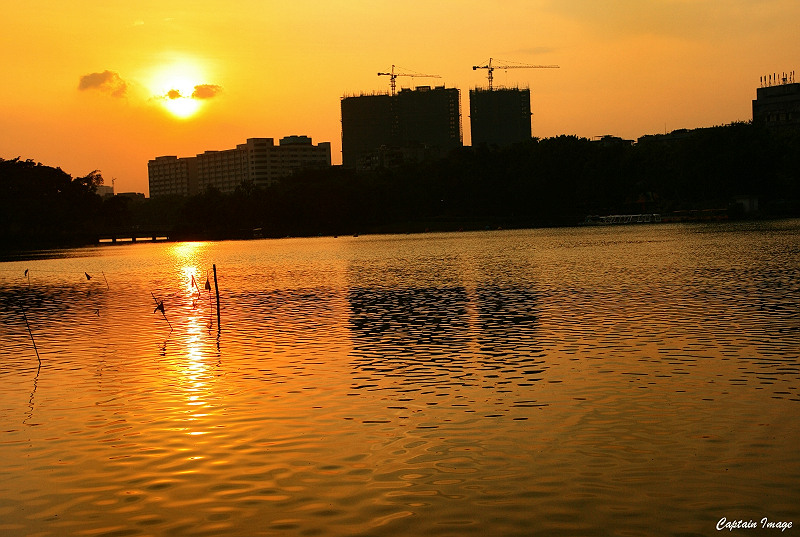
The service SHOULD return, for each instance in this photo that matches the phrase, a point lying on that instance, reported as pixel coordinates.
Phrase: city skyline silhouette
(108, 87)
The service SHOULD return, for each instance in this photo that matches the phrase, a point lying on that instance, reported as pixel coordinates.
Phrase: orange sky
(86, 83)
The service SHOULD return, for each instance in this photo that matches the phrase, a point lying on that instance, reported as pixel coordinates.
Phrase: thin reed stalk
(27, 324)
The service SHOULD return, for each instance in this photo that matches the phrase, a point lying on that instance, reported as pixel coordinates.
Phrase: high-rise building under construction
(383, 129)
(499, 117)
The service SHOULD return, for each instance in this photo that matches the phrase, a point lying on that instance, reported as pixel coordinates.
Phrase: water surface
(594, 381)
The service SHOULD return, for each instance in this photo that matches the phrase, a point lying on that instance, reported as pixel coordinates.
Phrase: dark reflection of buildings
(506, 332)
(410, 322)
(441, 336)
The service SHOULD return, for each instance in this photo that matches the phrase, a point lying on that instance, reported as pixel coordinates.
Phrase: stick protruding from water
(160, 307)
(31, 334)
(216, 288)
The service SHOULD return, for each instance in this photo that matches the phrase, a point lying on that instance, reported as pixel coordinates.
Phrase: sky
(108, 85)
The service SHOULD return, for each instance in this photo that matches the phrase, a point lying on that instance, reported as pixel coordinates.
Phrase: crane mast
(490, 68)
(393, 77)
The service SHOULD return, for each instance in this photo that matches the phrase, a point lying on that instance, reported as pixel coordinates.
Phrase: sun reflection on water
(187, 252)
(191, 367)
(195, 371)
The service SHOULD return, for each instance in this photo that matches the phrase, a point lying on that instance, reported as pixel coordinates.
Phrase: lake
(618, 380)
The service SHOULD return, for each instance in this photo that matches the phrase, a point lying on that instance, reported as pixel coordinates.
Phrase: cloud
(106, 82)
(206, 91)
(201, 92)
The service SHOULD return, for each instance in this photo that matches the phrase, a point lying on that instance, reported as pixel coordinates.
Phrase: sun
(182, 107)
(174, 83)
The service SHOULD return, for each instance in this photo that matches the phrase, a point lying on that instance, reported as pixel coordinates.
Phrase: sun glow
(182, 107)
(174, 85)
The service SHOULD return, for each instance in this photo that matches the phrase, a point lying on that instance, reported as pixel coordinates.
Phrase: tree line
(544, 182)
(45, 206)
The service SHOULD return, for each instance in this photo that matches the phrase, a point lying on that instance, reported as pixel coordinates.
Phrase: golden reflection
(190, 369)
(195, 372)
(186, 251)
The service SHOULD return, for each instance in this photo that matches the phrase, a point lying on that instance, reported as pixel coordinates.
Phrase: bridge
(134, 235)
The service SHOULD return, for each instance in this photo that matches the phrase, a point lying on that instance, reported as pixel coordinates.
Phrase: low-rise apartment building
(258, 161)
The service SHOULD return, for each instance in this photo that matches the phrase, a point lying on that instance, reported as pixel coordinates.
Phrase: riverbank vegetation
(554, 181)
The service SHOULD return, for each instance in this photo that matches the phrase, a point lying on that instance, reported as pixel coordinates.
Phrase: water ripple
(554, 382)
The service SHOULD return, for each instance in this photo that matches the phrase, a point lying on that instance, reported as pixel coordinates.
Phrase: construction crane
(393, 77)
(490, 68)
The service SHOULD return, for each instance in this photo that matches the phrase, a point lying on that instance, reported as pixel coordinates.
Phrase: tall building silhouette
(368, 124)
(258, 161)
(499, 116)
(383, 130)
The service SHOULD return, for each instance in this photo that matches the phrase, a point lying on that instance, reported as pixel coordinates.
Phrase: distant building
(368, 124)
(609, 140)
(223, 170)
(172, 176)
(386, 130)
(674, 136)
(429, 117)
(258, 161)
(499, 117)
(269, 164)
(105, 191)
(131, 195)
(777, 102)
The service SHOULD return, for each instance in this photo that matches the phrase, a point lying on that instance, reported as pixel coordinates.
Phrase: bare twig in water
(160, 307)
(31, 334)
(194, 284)
(210, 304)
(216, 289)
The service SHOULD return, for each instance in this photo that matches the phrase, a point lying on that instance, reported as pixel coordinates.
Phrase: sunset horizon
(350, 268)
